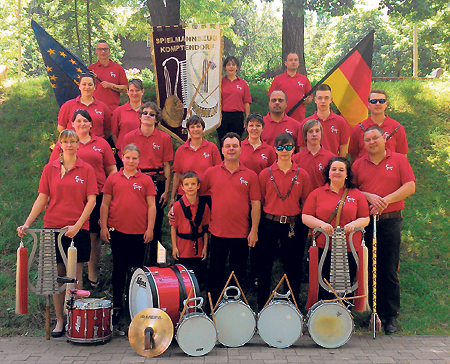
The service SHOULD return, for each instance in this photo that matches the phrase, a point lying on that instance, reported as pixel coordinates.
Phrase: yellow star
(51, 51)
(79, 70)
(78, 76)
(73, 61)
(53, 77)
(76, 82)
(62, 54)
(49, 69)
(53, 85)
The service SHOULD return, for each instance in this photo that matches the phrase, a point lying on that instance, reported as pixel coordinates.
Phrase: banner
(63, 67)
(188, 74)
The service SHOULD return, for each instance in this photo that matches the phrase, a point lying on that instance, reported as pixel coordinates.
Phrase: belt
(390, 215)
(282, 219)
(157, 174)
(157, 177)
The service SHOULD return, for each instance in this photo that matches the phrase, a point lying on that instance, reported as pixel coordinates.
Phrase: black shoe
(391, 326)
(59, 333)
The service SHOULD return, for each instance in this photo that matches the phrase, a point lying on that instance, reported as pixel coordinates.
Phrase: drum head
(91, 303)
(141, 295)
(235, 323)
(280, 324)
(330, 324)
(196, 335)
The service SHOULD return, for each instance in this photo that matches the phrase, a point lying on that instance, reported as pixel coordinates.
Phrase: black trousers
(274, 236)
(389, 236)
(220, 249)
(231, 122)
(152, 254)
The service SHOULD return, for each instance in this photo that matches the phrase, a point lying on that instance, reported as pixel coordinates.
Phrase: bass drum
(280, 324)
(330, 324)
(235, 320)
(163, 288)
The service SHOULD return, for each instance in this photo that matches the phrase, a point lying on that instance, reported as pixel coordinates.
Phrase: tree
(416, 10)
(164, 12)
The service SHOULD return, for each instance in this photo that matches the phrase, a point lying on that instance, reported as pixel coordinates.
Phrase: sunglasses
(288, 147)
(380, 101)
(148, 113)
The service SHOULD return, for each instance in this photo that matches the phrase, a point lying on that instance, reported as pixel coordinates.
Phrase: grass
(28, 126)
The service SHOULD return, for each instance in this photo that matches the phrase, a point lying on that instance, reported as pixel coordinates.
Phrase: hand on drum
(349, 228)
(327, 228)
(104, 234)
(22, 230)
(72, 230)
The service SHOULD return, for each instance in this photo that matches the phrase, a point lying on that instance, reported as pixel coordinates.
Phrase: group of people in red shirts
(286, 177)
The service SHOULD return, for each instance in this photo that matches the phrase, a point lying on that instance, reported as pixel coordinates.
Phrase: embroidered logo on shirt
(78, 179)
(263, 156)
(386, 135)
(96, 149)
(206, 155)
(350, 199)
(156, 146)
(113, 74)
(243, 181)
(333, 129)
(300, 84)
(289, 132)
(136, 186)
(98, 111)
(239, 87)
(388, 167)
(320, 165)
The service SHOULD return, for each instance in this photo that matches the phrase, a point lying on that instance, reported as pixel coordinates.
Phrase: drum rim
(192, 316)
(152, 287)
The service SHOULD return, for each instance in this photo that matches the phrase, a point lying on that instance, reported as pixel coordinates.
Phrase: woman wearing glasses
(100, 113)
(284, 188)
(156, 153)
(67, 192)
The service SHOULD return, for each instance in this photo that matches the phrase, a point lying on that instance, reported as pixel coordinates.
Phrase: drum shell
(235, 322)
(89, 321)
(280, 324)
(163, 288)
(196, 334)
(330, 324)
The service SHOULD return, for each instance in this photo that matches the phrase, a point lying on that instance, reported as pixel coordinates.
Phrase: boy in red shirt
(189, 228)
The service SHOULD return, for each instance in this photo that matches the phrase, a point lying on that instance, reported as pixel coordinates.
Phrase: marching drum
(196, 333)
(279, 323)
(89, 321)
(235, 320)
(163, 288)
(330, 324)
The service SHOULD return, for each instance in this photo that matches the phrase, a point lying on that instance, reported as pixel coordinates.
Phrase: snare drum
(163, 288)
(89, 321)
(279, 323)
(196, 333)
(235, 320)
(330, 324)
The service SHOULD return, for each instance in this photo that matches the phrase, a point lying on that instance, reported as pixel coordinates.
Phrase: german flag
(350, 82)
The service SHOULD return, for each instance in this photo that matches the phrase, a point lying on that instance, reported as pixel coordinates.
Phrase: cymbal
(150, 332)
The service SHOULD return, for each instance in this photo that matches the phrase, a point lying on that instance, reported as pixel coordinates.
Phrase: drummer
(127, 218)
(284, 188)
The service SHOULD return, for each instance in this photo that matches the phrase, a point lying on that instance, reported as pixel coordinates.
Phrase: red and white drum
(330, 324)
(89, 321)
(279, 323)
(196, 333)
(163, 288)
(235, 320)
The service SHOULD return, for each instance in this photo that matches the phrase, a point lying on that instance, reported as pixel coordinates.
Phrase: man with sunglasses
(112, 75)
(284, 188)
(394, 132)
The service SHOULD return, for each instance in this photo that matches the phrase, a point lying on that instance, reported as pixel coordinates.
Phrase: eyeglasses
(380, 101)
(375, 137)
(103, 49)
(148, 113)
(69, 142)
(288, 147)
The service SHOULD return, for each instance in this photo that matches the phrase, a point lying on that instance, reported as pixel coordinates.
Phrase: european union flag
(63, 67)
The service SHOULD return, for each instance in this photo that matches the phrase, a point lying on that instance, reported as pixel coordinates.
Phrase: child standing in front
(189, 228)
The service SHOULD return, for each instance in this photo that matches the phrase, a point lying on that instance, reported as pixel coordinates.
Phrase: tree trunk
(164, 12)
(89, 30)
(77, 28)
(294, 31)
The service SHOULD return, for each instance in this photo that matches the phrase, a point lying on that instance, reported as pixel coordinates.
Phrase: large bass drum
(235, 320)
(163, 288)
(330, 324)
(196, 333)
(279, 323)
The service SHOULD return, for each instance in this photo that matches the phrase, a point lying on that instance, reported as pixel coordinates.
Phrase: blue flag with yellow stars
(63, 67)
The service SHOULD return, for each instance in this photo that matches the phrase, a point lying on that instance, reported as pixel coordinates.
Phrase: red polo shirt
(323, 201)
(114, 73)
(257, 159)
(336, 131)
(292, 205)
(386, 177)
(155, 149)
(314, 164)
(128, 211)
(295, 88)
(235, 94)
(68, 195)
(186, 247)
(124, 120)
(198, 161)
(96, 152)
(231, 194)
(286, 125)
(397, 143)
(100, 114)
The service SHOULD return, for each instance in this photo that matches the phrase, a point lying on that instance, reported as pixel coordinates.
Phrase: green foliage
(415, 10)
